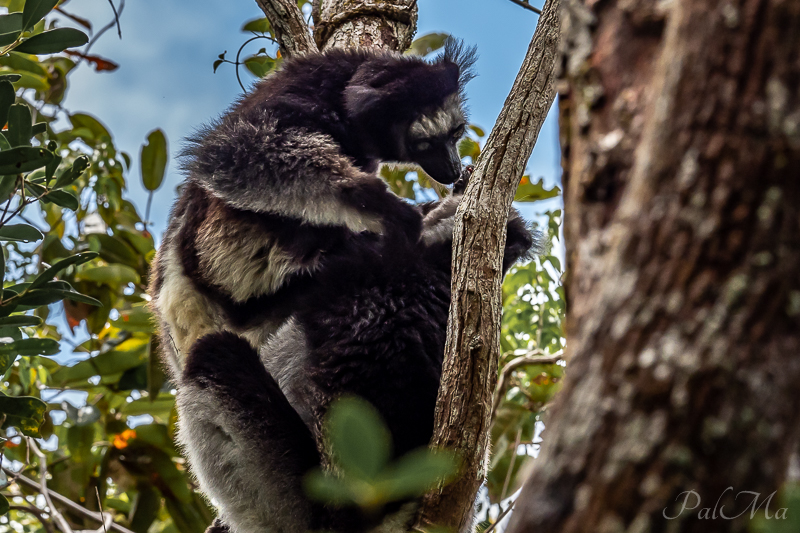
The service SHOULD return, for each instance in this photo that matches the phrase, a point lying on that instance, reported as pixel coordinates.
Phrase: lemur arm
(295, 173)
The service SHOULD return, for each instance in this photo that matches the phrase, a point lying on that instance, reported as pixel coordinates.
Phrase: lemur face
(432, 141)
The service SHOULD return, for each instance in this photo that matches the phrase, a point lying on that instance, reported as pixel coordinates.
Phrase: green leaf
(24, 413)
(35, 10)
(63, 199)
(478, 130)
(50, 273)
(154, 160)
(260, 66)
(137, 319)
(7, 98)
(88, 122)
(23, 159)
(71, 174)
(53, 41)
(20, 320)
(20, 233)
(260, 25)
(532, 192)
(417, 472)
(4, 505)
(50, 168)
(19, 127)
(111, 274)
(10, 28)
(32, 81)
(38, 128)
(23, 63)
(30, 347)
(8, 185)
(10, 77)
(359, 439)
(426, 44)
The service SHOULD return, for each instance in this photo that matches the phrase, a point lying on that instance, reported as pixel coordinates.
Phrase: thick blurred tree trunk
(680, 125)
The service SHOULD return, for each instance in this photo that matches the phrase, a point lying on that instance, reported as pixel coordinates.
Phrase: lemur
(288, 176)
(372, 324)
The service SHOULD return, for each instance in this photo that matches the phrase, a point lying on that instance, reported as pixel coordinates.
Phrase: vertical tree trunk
(348, 23)
(469, 374)
(681, 140)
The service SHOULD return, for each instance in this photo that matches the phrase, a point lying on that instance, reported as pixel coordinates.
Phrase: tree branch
(536, 357)
(63, 500)
(288, 26)
(54, 512)
(526, 5)
(471, 355)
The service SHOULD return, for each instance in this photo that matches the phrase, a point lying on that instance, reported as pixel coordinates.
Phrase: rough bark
(388, 24)
(473, 333)
(681, 139)
(288, 26)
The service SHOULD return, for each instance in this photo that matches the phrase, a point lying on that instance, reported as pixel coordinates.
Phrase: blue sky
(166, 80)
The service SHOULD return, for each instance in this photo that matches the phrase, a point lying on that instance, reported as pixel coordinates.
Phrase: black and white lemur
(290, 276)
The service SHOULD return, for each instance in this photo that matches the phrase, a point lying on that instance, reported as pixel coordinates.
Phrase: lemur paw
(461, 183)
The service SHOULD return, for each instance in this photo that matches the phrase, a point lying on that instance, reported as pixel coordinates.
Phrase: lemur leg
(245, 443)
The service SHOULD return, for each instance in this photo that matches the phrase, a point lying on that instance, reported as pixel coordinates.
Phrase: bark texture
(680, 126)
(388, 24)
(473, 343)
(288, 25)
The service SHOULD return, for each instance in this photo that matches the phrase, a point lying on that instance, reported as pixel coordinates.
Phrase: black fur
(374, 323)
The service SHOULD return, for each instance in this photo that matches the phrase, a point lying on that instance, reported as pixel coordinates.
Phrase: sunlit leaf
(23, 412)
(427, 43)
(260, 25)
(110, 274)
(532, 192)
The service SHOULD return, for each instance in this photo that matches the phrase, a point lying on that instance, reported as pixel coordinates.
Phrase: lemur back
(288, 176)
(374, 326)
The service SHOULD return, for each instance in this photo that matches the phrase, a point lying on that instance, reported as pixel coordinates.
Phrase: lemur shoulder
(288, 176)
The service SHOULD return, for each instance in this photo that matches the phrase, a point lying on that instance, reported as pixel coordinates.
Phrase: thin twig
(117, 14)
(63, 500)
(35, 511)
(116, 18)
(526, 5)
(535, 357)
(108, 517)
(511, 464)
(58, 518)
(500, 517)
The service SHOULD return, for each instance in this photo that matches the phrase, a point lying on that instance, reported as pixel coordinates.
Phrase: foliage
(361, 447)
(76, 257)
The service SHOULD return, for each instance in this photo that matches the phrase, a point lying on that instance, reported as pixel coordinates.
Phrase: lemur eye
(422, 146)
(459, 132)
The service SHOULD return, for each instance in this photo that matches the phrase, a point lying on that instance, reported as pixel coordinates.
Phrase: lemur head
(410, 110)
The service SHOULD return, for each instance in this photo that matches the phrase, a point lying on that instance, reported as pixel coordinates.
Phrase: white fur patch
(439, 123)
(187, 314)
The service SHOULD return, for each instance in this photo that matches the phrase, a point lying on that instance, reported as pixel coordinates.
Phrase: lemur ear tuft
(457, 53)
(398, 88)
